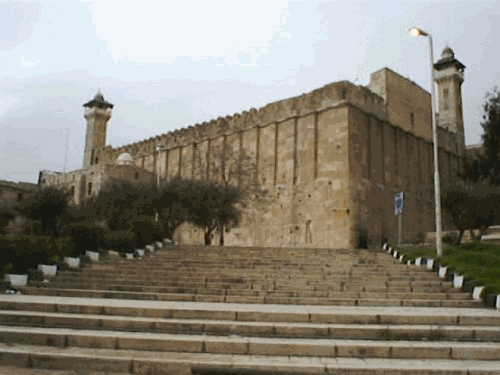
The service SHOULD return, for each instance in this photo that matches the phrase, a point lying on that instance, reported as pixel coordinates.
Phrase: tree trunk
(460, 235)
(221, 241)
(208, 238)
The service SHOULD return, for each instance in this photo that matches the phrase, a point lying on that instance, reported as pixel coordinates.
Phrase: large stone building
(331, 160)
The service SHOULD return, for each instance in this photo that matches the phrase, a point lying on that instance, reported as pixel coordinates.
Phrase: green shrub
(85, 236)
(146, 230)
(123, 241)
(26, 252)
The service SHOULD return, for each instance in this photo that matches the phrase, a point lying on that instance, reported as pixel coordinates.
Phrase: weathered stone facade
(13, 192)
(331, 159)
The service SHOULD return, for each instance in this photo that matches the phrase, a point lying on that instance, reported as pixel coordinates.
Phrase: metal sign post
(398, 210)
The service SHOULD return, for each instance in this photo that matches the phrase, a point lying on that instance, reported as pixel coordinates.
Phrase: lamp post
(437, 182)
(159, 149)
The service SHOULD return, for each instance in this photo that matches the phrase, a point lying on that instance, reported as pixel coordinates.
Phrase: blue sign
(398, 204)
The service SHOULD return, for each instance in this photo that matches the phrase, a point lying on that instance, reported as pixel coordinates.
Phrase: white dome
(125, 159)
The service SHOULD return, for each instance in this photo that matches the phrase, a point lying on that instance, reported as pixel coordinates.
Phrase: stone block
(204, 314)
(139, 252)
(458, 281)
(93, 255)
(306, 330)
(479, 320)
(79, 309)
(79, 362)
(122, 310)
(17, 280)
(259, 316)
(475, 351)
(442, 272)
(79, 322)
(47, 271)
(149, 367)
(185, 326)
(348, 318)
(430, 264)
(323, 348)
(13, 358)
(415, 350)
(94, 341)
(415, 319)
(129, 256)
(170, 344)
(27, 337)
(227, 345)
(362, 349)
(10, 318)
(71, 262)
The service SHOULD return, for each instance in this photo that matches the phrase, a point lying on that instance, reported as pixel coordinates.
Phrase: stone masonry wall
(385, 160)
(300, 149)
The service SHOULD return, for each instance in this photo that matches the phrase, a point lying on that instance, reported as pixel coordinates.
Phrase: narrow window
(72, 191)
(412, 120)
(136, 175)
(446, 95)
(92, 157)
(19, 197)
(89, 188)
(96, 160)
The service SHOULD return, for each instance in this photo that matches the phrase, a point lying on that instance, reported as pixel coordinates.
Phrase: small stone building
(13, 192)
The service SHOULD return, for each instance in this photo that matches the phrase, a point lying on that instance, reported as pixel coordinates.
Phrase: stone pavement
(181, 331)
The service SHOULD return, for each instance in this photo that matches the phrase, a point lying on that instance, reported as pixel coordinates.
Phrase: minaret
(97, 114)
(449, 78)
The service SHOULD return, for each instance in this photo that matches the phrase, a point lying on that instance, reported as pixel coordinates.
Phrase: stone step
(154, 362)
(264, 284)
(85, 293)
(253, 329)
(257, 274)
(308, 347)
(383, 293)
(227, 289)
(197, 276)
(254, 312)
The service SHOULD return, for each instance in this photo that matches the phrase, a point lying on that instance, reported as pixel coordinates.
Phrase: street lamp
(415, 31)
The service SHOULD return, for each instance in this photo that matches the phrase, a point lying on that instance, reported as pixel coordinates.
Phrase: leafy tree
(146, 230)
(490, 160)
(118, 203)
(47, 206)
(6, 215)
(472, 206)
(213, 207)
(172, 203)
(233, 167)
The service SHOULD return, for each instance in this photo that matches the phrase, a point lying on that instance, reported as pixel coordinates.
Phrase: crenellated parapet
(319, 100)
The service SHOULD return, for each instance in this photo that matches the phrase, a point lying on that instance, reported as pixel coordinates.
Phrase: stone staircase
(208, 310)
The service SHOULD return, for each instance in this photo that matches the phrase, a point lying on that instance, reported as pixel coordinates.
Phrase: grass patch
(476, 261)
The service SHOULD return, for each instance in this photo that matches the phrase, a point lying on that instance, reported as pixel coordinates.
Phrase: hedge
(123, 241)
(26, 252)
(85, 236)
(146, 230)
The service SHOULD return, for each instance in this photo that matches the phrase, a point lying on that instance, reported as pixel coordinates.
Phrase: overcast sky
(169, 64)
